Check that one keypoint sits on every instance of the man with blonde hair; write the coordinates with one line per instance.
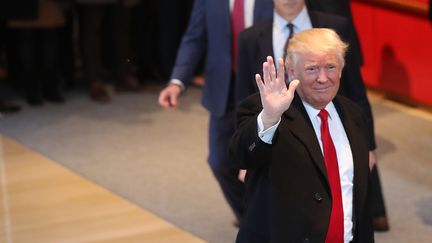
(269, 38)
(305, 148)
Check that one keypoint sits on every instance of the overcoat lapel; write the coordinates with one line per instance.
(301, 126)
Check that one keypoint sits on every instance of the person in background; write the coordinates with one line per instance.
(5, 106)
(36, 51)
(212, 31)
(341, 8)
(104, 26)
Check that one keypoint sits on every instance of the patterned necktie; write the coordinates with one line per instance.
(335, 233)
(290, 35)
(237, 25)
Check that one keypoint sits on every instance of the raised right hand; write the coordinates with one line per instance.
(276, 98)
(168, 97)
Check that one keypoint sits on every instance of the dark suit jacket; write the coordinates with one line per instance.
(255, 44)
(288, 194)
(209, 33)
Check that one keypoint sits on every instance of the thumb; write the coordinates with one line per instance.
(292, 86)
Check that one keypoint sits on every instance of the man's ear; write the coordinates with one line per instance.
(290, 72)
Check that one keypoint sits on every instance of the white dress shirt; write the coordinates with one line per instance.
(343, 152)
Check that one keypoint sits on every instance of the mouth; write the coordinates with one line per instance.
(322, 89)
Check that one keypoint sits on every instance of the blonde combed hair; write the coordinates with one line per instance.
(321, 40)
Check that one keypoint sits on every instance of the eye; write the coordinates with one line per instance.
(311, 69)
(331, 67)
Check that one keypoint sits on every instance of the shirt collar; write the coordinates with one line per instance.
(300, 22)
(313, 113)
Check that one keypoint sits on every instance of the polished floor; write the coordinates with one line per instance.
(41, 201)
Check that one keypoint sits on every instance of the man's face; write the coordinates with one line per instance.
(288, 8)
(319, 76)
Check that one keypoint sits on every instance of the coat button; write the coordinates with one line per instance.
(252, 146)
(318, 197)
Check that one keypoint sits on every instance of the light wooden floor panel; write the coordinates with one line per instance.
(42, 201)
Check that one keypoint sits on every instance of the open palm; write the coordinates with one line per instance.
(276, 97)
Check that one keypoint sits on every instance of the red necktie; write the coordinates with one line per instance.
(237, 24)
(335, 233)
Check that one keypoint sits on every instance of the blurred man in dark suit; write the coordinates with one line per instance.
(213, 30)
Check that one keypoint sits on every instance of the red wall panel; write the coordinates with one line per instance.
(397, 49)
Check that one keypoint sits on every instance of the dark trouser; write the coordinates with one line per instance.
(105, 40)
(36, 60)
(377, 199)
(225, 170)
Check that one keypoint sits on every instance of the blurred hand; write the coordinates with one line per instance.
(242, 175)
(169, 96)
(276, 98)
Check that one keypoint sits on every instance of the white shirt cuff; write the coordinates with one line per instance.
(177, 82)
(266, 135)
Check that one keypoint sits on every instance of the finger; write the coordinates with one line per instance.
(281, 70)
(173, 100)
(292, 87)
(272, 68)
(163, 100)
(266, 73)
(259, 82)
